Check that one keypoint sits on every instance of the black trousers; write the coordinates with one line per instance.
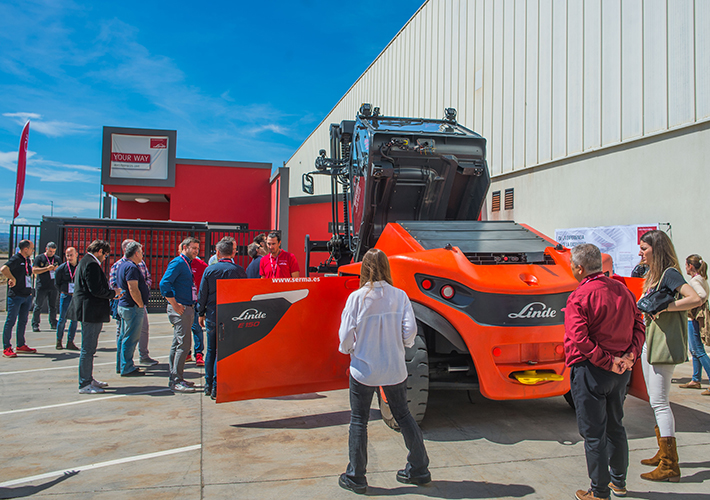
(42, 294)
(599, 402)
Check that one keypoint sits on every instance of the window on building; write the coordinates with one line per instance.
(508, 199)
(495, 202)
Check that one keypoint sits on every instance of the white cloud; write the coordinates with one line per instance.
(48, 128)
(70, 173)
(8, 160)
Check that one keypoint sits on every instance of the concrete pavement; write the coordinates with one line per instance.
(140, 439)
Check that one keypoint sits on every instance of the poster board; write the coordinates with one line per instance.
(621, 242)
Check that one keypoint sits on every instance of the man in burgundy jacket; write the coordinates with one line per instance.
(604, 333)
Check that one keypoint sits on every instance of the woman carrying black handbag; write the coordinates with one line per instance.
(666, 345)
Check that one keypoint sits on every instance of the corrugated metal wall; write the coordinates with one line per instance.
(542, 80)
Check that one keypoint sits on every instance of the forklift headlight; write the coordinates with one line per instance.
(447, 291)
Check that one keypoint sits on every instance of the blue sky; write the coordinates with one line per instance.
(240, 81)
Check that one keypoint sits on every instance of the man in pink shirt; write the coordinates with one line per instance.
(604, 333)
(278, 263)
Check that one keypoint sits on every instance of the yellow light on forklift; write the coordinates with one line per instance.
(532, 377)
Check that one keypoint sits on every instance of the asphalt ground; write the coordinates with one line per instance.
(139, 440)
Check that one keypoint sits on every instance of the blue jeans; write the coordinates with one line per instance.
(697, 349)
(64, 301)
(131, 324)
(18, 310)
(599, 402)
(211, 354)
(197, 335)
(89, 340)
(360, 402)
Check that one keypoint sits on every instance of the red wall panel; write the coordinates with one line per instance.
(313, 220)
(145, 211)
(205, 193)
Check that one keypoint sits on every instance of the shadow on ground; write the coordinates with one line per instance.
(458, 490)
(26, 491)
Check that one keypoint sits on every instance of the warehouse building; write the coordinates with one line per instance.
(597, 113)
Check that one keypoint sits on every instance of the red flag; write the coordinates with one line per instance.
(21, 167)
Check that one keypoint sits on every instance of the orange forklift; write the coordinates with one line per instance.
(488, 296)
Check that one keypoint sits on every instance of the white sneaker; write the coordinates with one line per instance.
(99, 384)
(187, 383)
(90, 389)
(181, 387)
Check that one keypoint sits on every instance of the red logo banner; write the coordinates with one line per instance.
(159, 143)
(130, 157)
(21, 168)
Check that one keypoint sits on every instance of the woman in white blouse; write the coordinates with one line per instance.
(376, 325)
(697, 269)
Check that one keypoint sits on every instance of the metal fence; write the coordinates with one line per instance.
(19, 232)
(160, 240)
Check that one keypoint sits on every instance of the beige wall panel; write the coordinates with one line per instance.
(440, 29)
(531, 79)
(450, 72)
(507, 123)
(681, 63)
(655, 66)
(631, 69)
(559, 79)
(544, 101)
(479, 56)
(496, 89)
(611, 71)
(486, 129)
(702, 59)
(519, 118)
(465, 46)
(592, 74)
(575, 77)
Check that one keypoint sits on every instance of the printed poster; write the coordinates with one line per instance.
(621, 242)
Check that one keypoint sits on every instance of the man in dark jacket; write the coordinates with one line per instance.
(18, 271)
(90, 305)
(225, 268)
(64, 281)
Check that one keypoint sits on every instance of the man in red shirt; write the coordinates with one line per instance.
(279, 263)
(604, 333)
(198, 267)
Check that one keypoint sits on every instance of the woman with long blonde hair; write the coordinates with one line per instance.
(697, 269)
(658, 253)
(376, 325)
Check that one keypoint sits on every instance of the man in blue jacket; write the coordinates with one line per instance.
(224, 268)
(178, 287)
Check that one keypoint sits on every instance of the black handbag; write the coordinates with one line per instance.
(658, 299)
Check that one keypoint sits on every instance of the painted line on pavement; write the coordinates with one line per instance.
(92, 400)
(102, 342)
(73, 367)
(99, 465)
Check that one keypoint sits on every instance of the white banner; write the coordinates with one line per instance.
(621, 242)
(139, 157)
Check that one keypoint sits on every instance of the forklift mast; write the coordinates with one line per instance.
(385, 169)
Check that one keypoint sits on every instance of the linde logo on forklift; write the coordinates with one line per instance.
(250, 314)
(535, 310)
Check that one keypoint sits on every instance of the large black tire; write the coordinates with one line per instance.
(417, 359)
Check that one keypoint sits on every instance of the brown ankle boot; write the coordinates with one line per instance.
(668, 469)
(653, 462)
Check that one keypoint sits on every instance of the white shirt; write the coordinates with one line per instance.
(375, 327)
